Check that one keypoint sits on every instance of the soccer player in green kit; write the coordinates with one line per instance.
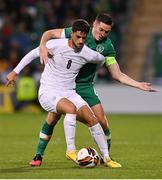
(97, 40)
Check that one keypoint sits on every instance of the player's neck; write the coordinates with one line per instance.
(73, 46)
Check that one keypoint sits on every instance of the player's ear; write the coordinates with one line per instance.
(72, 34)
(94, 23)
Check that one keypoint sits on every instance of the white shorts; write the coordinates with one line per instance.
(49, 99)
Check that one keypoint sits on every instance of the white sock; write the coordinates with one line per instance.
(69, 129)
(99, 137)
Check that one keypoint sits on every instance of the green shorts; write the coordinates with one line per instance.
(88, 93)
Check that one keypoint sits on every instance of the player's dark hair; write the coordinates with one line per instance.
(81, 25)
(105, 18)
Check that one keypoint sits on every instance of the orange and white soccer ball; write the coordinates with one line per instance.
(87, 157)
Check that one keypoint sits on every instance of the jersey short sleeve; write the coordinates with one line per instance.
(109, 53)
(93, 56)
(109, 49)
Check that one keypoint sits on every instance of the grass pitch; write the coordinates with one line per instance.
(136, 144)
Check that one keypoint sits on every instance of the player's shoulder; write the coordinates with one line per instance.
(86, 49)
(90, 53)
(56, 42)
(67, 32)
(107, 41)
(68, 28)
(106, 47)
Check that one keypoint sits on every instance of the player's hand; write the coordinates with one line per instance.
(44, 54)
(147, 87)
(43, 51)
(11, 78)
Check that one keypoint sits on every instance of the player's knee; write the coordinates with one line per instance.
(52, 119)
(92, 120)
(66, 107)
(71, 109)
(103, 122)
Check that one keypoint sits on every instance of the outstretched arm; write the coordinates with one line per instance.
(47, 35)
(11, 77)
(116, 74)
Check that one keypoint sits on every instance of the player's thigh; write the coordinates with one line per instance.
(65, 106)
(77, 100)
(84, 112)
(87, 116)
(100, 115)
(56, 102)
(88, 93)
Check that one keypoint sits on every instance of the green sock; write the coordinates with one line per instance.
(107, 133)
(45, 135)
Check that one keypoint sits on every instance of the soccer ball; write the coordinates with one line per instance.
(87, 157)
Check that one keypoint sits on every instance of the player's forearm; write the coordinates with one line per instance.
(33, 54)
(116, 74)
(50, 34)
(47, 35)
(124, 79)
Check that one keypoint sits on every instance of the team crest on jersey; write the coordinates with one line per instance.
(99, 48)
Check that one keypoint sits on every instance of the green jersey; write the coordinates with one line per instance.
(105, 47)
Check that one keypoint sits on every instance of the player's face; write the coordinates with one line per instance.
(100, 30)
(78, 39)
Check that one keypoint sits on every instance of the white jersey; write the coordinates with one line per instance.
(61, 70)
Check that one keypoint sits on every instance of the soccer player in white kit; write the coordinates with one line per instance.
(57, 85)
